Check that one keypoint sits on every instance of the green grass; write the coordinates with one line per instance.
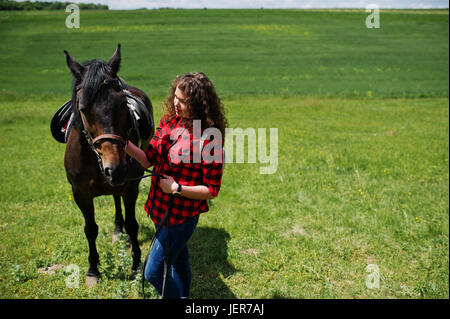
(282, 52)
(363, 170)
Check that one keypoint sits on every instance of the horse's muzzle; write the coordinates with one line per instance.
(115, 175)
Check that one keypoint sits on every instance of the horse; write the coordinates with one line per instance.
(95, 160)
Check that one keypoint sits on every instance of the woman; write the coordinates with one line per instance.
(192, 97)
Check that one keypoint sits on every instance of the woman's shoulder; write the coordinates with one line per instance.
(169, 125)
(165, 121)
(169, 119)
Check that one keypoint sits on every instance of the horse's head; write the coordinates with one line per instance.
(101, 107)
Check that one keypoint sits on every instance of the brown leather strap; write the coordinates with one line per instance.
(109, 136)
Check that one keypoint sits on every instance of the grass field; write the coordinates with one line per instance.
(363, 170)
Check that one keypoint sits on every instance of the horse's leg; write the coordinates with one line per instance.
(118, 221)
(131, 225)
(86, 205)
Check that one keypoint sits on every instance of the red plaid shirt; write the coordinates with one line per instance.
(159, 153)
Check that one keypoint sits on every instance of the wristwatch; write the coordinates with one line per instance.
(178, 191)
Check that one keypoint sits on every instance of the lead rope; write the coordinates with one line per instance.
(164, 221)
(167, 247)
(151, 173)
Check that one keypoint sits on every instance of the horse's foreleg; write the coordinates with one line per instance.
(86, 205)
(131, 225)
(118, 221)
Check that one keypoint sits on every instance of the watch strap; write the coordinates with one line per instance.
(178, 191)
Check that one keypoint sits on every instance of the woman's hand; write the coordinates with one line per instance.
(137, 154)
(168, 184)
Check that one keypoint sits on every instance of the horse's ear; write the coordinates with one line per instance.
(114, 62)
(75, 67)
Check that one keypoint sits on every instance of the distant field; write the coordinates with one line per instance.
(363, 172)
(281, 52)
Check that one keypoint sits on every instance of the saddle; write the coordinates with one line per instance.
(142, 122)
(59, 125)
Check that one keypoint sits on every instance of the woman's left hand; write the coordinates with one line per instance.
(168, 184)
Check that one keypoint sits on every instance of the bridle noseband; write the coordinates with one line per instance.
(110, 137)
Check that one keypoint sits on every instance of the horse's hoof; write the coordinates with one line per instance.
(91, 280)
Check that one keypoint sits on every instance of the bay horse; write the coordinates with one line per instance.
(95, 159)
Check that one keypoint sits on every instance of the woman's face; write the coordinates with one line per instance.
(179, 101)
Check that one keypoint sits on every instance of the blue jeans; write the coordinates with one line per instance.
(178, 281)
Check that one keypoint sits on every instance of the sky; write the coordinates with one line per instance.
(301, 4)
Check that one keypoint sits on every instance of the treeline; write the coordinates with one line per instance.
(41, 5)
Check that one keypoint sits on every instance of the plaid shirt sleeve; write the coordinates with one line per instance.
(152, 154)
(212, 170)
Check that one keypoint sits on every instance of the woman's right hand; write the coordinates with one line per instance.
(138, 154)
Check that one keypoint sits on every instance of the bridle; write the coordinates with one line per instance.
(92, 142)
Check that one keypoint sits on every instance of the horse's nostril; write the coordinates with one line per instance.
(115, 175)
(108, 171)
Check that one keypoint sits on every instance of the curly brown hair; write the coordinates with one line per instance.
(203, 102)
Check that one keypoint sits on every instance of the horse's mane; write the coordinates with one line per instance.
(97, 72)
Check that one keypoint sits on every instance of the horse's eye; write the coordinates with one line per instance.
(83, 108)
